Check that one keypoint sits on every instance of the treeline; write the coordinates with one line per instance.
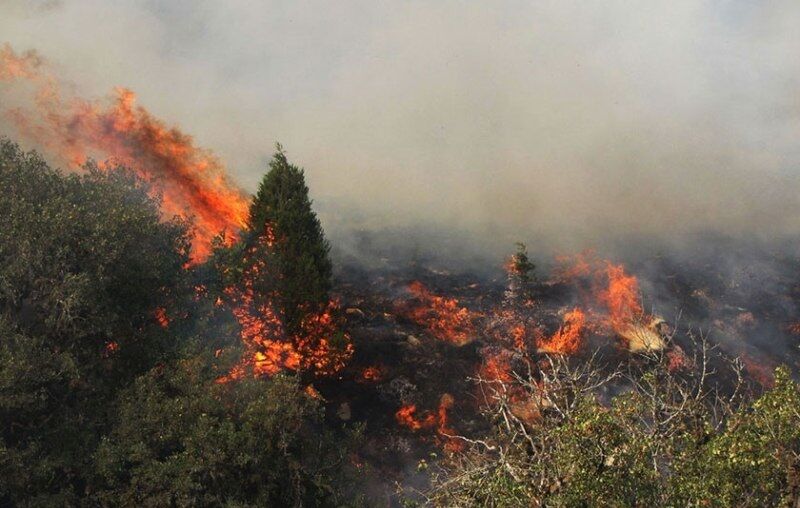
(112, 349)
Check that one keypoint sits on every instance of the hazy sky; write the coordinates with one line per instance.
(564, 120)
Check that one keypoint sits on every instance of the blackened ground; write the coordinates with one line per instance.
(745, 303)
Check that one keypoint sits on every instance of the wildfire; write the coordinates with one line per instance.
(761, 372)
(621, 297)
(191, 180)
(406, 417)
(444, 318)
(576, 266)
(617, 295)
(269, 349)
(567, 339)
(13, 66)
(496, 364)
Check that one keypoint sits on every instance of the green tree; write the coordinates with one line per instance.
(182, 439)
(85, 264)
(281, 210)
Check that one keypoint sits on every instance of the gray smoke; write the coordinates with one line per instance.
(564, 123)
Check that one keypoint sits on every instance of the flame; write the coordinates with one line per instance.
(621, 297)
(405, 417)
(575, 266)
(567, 339)
(762, 373)
(13, 66)
(451, 444)
(269, 349)
(443, 317)
(613, 301)
(496, 365)
(192, 180)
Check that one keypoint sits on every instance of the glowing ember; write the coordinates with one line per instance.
(111, 347)
(443, 317)
(192, 181)
(312, 392)
(373, 374)
(161, 317)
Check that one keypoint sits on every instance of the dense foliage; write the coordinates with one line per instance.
(109, 361)
(667, 439)
(282, 209)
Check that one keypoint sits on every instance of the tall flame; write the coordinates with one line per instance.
(621, 297)
(192, 180)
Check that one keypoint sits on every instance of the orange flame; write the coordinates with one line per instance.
(13, 66)
(269, 348)
(405, 417)
(443, 317)
(571, 267)
(496, 365)
(760, 372)
(567, 339)
(192, 181)
(621, 297)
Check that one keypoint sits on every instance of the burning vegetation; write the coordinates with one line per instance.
(191, 181)
(234, 361)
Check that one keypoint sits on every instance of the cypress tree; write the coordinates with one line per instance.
(282, 209)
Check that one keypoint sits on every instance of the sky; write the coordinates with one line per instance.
(561, 123)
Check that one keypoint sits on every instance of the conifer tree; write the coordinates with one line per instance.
(520, 270)
(281, 211)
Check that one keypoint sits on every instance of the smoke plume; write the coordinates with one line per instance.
(564, 124)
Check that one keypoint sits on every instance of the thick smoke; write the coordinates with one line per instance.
(564, 124)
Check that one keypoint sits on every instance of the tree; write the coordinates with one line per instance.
(520, 277)
(85, 265)
(182, 439)
(281, 211)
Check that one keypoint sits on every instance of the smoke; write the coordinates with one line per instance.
(190, 181)
(564, 124)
